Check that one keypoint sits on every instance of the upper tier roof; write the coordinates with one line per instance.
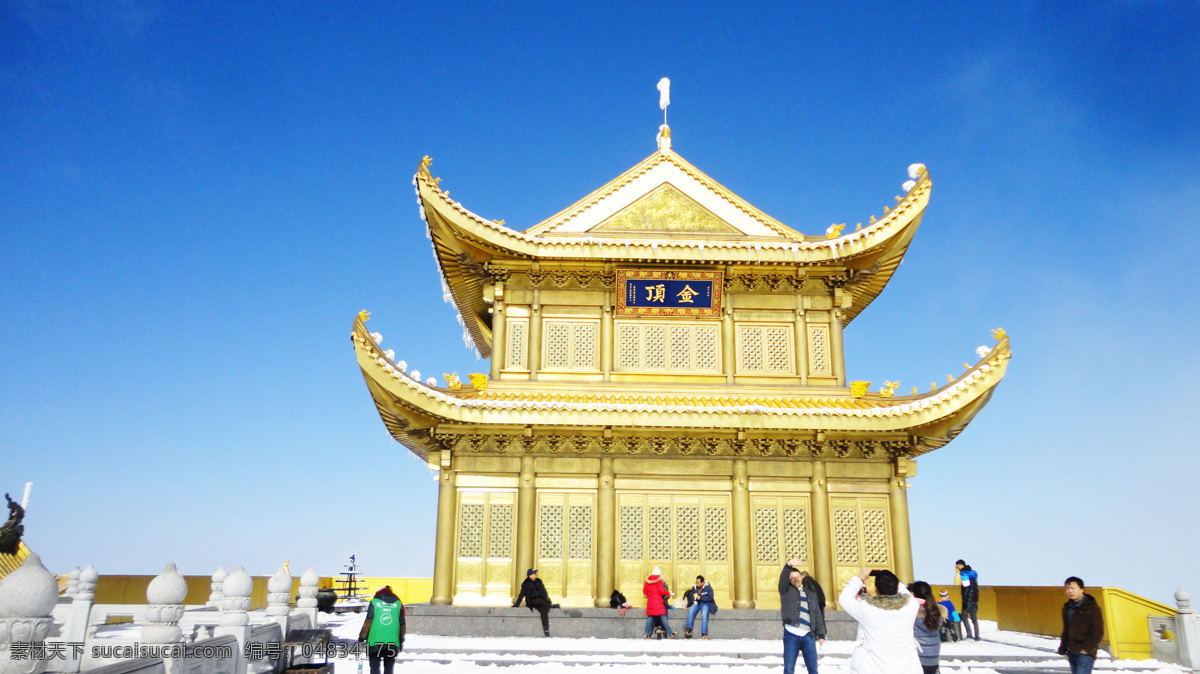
(661, 211)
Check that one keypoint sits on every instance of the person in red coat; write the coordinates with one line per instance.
(655, 589)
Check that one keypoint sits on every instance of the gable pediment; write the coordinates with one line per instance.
(664, 195)
(665, 210)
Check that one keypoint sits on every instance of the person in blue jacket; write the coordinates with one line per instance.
(968, 581)
(704, 604)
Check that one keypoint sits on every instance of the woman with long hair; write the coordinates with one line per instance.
(927, 628)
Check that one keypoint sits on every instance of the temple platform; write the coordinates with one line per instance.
(601, 623)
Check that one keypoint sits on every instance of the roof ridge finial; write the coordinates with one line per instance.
(664, 131)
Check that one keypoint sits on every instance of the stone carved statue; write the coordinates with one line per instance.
(10, 533)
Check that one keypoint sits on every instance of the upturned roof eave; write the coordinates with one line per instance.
(396, 394)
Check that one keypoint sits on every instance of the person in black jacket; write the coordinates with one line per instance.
(533, 591)
(803, 617)
(1083, 627)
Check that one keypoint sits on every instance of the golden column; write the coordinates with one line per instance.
(901, 537)
(801, 341)
(606, 559)
(499, 325)
(728, 346)
(535, 335)
(606, 338)
(839, 347)
(743, 571)
(443, 555)
(822, 543)
(526, 521)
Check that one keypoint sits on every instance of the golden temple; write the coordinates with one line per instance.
(667, 388)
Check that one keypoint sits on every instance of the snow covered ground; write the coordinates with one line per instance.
(998, 653)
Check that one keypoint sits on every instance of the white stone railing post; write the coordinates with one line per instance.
(218, 580)
(234, 620)
(27, 596)
(1187, 631)
(279, 594)
(307, 603)
(165, 596)
(76, 629)
(73, 583)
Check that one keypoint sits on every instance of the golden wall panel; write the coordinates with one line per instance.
(570, 345)
(861, 529)
(779, 468)
(683, 534)
(566, 465)
(799, 486)
(517, 338)
(677, 347)
(566, 545)
(860, 469)
(486, 481)
(765, 349)
(555, 482)
(484, 547)
(486, 464)
(863, 487)
(564, 301)
(820, 353)
(715, 467)
(781, 531)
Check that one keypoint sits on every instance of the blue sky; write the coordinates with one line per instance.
(196, 199)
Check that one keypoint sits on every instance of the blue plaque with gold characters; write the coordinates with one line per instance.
(669, 292)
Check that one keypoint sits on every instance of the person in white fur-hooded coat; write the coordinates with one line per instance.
(885, 625)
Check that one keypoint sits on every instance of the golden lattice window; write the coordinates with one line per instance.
(818, 337)
(875, 544)
(795, 533)
(570, 345)
(631, 532)
(706, 347)
(779, 349)
(470, 530)
(752, 349)
(681, 347)
(845, 535)
(716, 534)
(655, 354)
(765, 349)
(629, 347)
(583, 347)
(579, 529)
(766, 535)
(550, 531)
(660, 532)
(517, 344)
(688, 529)
(500, 521)
(675, 348)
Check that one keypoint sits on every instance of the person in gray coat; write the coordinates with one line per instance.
(927, 628)
(803, 614)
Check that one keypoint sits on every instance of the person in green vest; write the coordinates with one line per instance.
(383, 630)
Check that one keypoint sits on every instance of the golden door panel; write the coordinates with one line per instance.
(861, 528)
(781, 531)
(685, 535)
(566, 546)
(484, 548)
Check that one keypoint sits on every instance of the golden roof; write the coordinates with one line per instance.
(714, 226)
(408, 405)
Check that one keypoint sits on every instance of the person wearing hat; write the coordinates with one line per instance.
(383, 630)
(885, 624)
(952, 627)
(533, 591)
(655, 589)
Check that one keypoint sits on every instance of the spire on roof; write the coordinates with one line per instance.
(664, 131)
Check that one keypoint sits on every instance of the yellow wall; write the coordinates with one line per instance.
(132, 589)
(1038, 610)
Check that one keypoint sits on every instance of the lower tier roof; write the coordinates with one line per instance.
(428, 418)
